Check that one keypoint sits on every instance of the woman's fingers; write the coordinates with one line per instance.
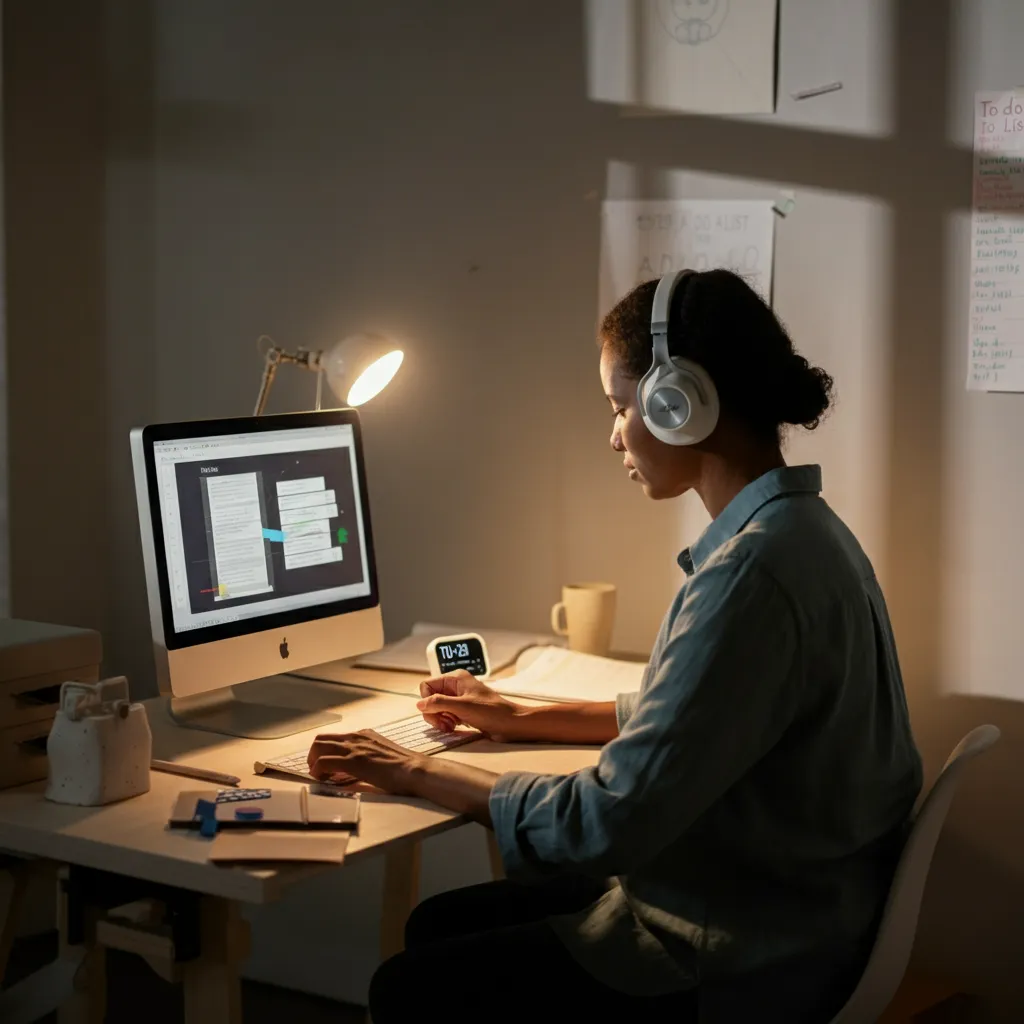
(324, 745)
(441, 722)
(364, 756)
(440, 684)
(370, 743)
(331, 769)
(438, 703)
(427, 689)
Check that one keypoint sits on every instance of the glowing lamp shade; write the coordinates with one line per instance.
(375, 378)
(359, 367)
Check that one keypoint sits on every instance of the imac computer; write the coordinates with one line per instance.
(259, 560)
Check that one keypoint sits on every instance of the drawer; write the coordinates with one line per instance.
(36, 698)
(23, 753)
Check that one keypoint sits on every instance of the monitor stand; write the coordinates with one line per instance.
(240, 711)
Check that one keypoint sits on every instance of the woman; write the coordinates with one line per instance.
(728, 857)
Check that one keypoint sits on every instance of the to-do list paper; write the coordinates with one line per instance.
(996, 318)
(646, 238)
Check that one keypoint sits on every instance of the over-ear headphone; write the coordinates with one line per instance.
(677, 398)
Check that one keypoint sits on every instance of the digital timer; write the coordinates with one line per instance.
(466, 651)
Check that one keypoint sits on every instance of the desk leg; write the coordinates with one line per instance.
(213, 988)
(13, 887)
(401, 892)
(88, 1001)
(494, 856)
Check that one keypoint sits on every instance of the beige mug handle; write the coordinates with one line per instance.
(556, 619)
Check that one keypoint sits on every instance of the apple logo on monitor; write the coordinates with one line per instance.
(284, 648)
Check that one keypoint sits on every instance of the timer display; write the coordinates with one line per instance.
(467, 654)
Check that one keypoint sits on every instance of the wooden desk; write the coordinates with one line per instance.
(131, 838)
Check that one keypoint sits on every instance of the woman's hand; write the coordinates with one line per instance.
(460, 698)
(366, 757)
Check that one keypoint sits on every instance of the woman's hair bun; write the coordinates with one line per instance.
(804, 392)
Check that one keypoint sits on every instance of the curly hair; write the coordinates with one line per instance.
(718, 321)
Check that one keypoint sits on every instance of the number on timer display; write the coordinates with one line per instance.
(450, 651)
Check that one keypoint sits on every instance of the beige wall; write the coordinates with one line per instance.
(199, 173)
(55, 269)
(5, 550)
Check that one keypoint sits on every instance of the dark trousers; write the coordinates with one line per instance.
(485, 953)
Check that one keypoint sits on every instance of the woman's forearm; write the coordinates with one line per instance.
(459, 787)
(467, 790)
(591, 723)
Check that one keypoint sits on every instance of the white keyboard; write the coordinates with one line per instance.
(413, 733)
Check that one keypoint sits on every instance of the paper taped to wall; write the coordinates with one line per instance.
(643, 239)
(709, 57)
(995, 341)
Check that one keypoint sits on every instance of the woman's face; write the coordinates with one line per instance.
(663, 470)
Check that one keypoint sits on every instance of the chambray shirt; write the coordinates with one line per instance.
(749, 814)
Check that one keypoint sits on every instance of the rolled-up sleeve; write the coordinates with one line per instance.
(508, 799)
(725, 689)
(625, 705)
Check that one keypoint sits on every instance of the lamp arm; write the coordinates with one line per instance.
(275, 357)
(269, 373)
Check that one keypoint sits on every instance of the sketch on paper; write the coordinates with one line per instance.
(705, 56)
(643, 239)
(692, 22)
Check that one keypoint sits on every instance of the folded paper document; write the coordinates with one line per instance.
(557, 674)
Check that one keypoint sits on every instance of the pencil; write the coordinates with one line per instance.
(194, 773)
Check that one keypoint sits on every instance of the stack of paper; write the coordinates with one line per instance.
(554, 673)
(410, 653)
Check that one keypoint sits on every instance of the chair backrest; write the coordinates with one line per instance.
(895, 940)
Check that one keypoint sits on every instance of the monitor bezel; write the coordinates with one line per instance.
(174, 640)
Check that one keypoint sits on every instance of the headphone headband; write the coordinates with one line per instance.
(660, 312)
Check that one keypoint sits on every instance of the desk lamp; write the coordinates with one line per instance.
(356, 368)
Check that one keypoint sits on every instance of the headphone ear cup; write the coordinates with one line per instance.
(678, 403)
(668, 404)
(677, 399)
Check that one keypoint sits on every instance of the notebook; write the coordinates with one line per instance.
(257, 847)
(282, 809)
(558, 674)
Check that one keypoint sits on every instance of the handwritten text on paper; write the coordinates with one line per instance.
(996, 317)
(644, 239)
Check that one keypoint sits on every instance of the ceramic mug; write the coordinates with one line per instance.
(586, 615)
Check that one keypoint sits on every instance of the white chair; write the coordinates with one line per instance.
(891, 952)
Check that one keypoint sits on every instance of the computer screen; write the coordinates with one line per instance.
(260, 524)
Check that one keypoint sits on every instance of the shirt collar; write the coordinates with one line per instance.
(739, 511)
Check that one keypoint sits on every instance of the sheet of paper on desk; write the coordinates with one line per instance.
(562, 675)
(410, 653)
